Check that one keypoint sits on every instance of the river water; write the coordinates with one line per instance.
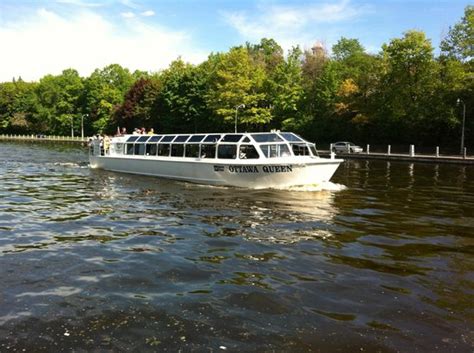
(379, 260)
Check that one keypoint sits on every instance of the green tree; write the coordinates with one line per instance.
(17, 103)
(286, 91)
(408, 87)
(236, 81)
(459, 43)
(183, 99)
(105, 90)
(59, 102)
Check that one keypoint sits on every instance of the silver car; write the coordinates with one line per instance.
(345, 147)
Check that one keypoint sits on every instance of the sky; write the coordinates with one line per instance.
(39, 37)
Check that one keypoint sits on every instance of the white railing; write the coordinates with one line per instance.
(43, 138)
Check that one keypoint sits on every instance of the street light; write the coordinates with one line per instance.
(236, 110)
(463, 122)
(82, 124)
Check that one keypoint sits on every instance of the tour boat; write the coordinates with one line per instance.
(250, 160)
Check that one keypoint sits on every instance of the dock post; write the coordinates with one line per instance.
(389, 148)
(412, 150)
(368, 149)
(437, 151)
(464, 153)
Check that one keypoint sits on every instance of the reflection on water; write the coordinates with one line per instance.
(379, 260)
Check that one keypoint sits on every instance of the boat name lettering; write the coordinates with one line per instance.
(243, 169)
(277, 168)
(265, 169)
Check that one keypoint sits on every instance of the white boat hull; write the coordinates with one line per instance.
(256, 175)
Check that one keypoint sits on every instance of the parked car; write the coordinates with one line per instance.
(345, 147)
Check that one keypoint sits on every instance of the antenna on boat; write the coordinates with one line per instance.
(236, 110)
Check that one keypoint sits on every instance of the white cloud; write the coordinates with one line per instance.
(80, 3)
(148, 13)
(47, 43)
(292, 25)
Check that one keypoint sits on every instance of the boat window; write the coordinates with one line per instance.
(270, 137)
(313, 150)
(208, 151)
(212, 138)
(155, 138)
(275, 150)
(132, 138)
(168, 138)
(289, 136)
(177, 150)
(196, 138)
(246, 139)
(231, 138)
(151, 149)
(129, 148)
(139, 149)
(227, 151)
(192, 150)
(248, 152)
(300, 149)
(143, 138)
(163, 149)
(181, 138)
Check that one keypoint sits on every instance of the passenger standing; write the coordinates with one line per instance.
(106, 144)
(151, 132)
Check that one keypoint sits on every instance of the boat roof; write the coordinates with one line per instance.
(243, 137)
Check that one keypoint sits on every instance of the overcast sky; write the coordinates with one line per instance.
(38, 37)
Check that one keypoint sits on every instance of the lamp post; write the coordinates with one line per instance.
(236, 110)
(72, 126)
(463, 122)
(82, 124)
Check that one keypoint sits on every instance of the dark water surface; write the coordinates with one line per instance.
(100, 261)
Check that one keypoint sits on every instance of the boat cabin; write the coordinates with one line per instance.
(220, 146)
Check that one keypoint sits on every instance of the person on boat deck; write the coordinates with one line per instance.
(151, 131)
(106, 144)
(136, 131)
(124, 131)
(143, 131)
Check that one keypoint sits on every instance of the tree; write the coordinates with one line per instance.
(183, 99)
(59, 102)
(105, 90)
(346, 48)
(139, 108)
(408, 86)
(17, 102)
(236, 81)
(459, 43)
(286, 91)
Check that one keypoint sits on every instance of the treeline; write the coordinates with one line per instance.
(404, 94)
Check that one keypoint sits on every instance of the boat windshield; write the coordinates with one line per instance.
(275, 150)
(267, 137)
(300, 149)
(291, 137)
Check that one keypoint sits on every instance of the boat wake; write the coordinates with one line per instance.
(325, 186)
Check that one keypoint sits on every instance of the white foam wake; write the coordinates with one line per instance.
(324, 186)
